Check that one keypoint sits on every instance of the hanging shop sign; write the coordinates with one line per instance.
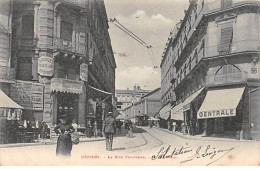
(45, 66)
(66, 85)
(216, 113)
(27, 94)
(91, 110)
(84, 72)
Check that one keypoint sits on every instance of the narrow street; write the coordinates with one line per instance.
(144, 148)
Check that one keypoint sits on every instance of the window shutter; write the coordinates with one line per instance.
(225, 37)
(28, 27)
(66, 31)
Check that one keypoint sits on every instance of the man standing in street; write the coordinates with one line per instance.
(109, 128)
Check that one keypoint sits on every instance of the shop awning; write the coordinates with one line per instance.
(186, 103)
(177, 112)
(165, 112)
(220, 103)
(6, 102)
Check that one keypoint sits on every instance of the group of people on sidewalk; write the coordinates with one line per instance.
(64, 130)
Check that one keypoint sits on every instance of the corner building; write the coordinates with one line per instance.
(215, 55)
(64, 46)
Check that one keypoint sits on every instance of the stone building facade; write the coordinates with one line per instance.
(61, 58)
(216, 60)
(126, 98)
(147, 106)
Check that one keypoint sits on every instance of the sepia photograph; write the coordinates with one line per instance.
(129, 83)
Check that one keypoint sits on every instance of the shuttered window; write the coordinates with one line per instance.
(226, 35)
(71, 72)
(24, 68)
(61, 70)
(66, 31)
(28, 27)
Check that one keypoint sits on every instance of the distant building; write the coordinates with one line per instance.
(146, 107)
(215, 70)
(126, 98)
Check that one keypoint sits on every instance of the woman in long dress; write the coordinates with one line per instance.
(64, 144)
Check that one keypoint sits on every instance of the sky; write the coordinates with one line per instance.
(150, 20)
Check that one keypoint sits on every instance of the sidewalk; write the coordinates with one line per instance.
(199, 137)
(49, 142)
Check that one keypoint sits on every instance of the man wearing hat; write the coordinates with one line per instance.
(109, 128)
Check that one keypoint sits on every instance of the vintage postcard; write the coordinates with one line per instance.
(129, 83)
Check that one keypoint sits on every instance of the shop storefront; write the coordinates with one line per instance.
(164, 115)
(10, 119)
(222, 112)
(178, 117)
(66, 99)
(184, 114)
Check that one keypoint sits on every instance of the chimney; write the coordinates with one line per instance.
(138, 87)
(134, 87)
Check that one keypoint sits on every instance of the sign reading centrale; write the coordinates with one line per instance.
(216, 113)
(45, 66)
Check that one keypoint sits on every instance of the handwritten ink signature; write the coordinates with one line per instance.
(164, 153)
(211, 152)
(208, 152)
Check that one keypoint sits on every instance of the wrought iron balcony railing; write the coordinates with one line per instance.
(218, 5)
(235, 47)
(71, 46)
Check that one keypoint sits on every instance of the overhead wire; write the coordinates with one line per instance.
(135, 37)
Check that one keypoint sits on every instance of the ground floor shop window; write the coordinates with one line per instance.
(67, 104)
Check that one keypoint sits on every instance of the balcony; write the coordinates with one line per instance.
(226, 79)
(66, 85)
(69, 46)
(236, 47)
(27, 43)
(216, 5)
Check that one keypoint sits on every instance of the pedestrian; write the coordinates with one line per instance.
(109, 128)
(43, 131)
(89, 129)
(95, 128)
(75, 125)
(120, 126)
(64, 143)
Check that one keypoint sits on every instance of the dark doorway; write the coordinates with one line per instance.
(67, 105)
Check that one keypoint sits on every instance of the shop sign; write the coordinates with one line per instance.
(91, 110)
(45, 66)
(216, 113)
(66, 85)
(84, 72)
(28, 95)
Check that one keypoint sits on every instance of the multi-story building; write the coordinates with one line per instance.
(216, 61)
(126, 98)
(167, 72)
(62, 59)
(148, 105)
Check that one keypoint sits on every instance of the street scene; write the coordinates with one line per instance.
(123, 82)
(144, 147)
